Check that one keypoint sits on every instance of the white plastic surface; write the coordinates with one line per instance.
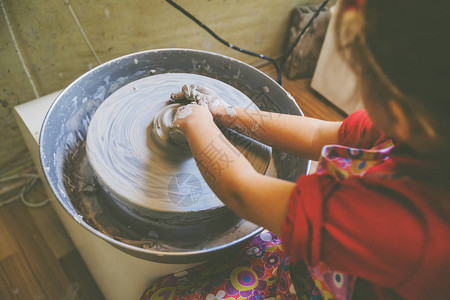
(333, 78)
(119, 276)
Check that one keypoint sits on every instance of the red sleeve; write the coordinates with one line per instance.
(352, 228)
(358, 131)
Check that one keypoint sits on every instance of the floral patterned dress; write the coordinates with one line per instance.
(260, 270)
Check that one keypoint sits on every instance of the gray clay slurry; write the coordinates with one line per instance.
(129, 148)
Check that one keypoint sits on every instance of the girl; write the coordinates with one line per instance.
(378, 206)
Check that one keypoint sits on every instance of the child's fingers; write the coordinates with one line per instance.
(180, 116)
(188, 113)
(190, 92)
(207, 91)
(177, 97)
(203, 100)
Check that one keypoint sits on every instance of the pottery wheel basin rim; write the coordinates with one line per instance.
(59, 136)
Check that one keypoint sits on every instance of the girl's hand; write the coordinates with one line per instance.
(189, 117)
(205, 97)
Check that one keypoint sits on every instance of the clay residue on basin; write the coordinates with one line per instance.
(62, 146)
(147, 179)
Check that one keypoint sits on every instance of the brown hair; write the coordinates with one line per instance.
(400, 49)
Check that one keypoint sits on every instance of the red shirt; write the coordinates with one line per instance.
(392, 230)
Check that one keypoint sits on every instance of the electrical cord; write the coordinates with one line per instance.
(217, 37)
(18, 51)
(25, 188)
(278, 67)
(83, 33)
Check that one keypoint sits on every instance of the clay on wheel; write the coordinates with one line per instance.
(144, 164)
(161, 129)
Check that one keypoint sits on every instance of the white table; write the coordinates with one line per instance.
(119, 276)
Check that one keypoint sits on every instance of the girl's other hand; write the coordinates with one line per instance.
(205, 97)
(189, 117)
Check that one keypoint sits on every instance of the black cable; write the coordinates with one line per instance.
(190, 16)
(278, 68)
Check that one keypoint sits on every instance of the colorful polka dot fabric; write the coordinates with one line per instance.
(260, 270)
(342, 162)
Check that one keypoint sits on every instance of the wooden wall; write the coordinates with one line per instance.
(55, 52)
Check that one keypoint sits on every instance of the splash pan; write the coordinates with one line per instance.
(65, 164)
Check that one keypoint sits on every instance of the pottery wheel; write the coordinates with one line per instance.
(143, 171)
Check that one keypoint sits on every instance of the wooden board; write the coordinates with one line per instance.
(29, 268)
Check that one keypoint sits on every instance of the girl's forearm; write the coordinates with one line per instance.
(220, 163)
(253, 196)
(300, 136)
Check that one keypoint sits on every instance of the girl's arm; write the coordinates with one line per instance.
(260, 199)
(296, 135)
(300, 136)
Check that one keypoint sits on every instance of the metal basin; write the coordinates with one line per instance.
(63, 157)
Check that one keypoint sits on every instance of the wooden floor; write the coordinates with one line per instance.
(37, 258)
